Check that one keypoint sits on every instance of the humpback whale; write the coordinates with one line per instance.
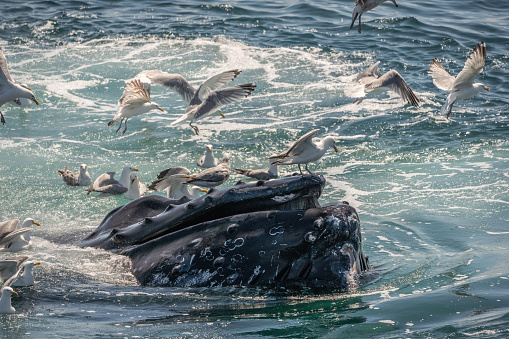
(270, 234)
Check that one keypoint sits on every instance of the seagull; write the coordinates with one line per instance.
(23, 102)
(9, 89)
(136, 188)
(170, 180)
(13, 238)
(211, 177)
(5, 300)
(134, 101)
(106, 183)
(204, 101)
(208, 160)
(17, 272)
(81, 178)
(461, 86)
(392, 80)
(260, 174)
(362, 6)
(304, 151)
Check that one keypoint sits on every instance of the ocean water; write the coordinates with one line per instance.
(432, 193)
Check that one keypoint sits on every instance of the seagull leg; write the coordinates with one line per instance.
(359, 30)
(450, 110)
(307, 169)
(2, 119)
(118, 129)
(300, 170)
(195, 128)
(355, 101)
(222, 115)
(358, 102)
(125, 124)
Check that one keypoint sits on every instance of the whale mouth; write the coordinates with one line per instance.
(149, 222)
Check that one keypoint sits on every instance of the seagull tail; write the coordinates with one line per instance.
(113, 121)
(446, 108)
(182, 118)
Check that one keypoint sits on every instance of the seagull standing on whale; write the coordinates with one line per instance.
(304, 151)
(462, 86)
(211, 177)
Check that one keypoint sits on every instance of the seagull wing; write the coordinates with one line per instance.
(395, 82)
(215, 82)
(4, 73)
(213, 175)
(135, 94)
(173, 82)
(168, 177)
(7, 227)
(441, 78)
(473, 66)
(14, 234)
(9, 267)
(217, 99)
(298, 146)
(369, 74)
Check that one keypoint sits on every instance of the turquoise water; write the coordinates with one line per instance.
(432, 194)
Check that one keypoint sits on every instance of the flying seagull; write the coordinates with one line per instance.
(9, 89)
(392, 80)
(207, 99)
(461, 86)
(134, 101)
(362, 6)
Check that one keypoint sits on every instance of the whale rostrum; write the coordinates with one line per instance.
(270, 234)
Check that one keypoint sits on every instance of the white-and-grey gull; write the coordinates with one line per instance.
(15, 236)
(81, 178)
(374, 82)
(134, 101)
(171, 180)
(362, 6)
(260, 174)
(462, 86)
(17, 272)
(304, 151)
(9, 89)
(204, 101)
(106, 183)
(211, 177)
(5, 300)
(207, 160)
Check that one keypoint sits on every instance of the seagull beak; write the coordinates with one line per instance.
(14, 292)
(335, 148)
(204, 191)
(132, 180)
(36, 223)
(28, 88)
(35, 100)
(37, 263)
(210, 149)
(162, 110)
(135, 169)
(222, 115)
(487, 88)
